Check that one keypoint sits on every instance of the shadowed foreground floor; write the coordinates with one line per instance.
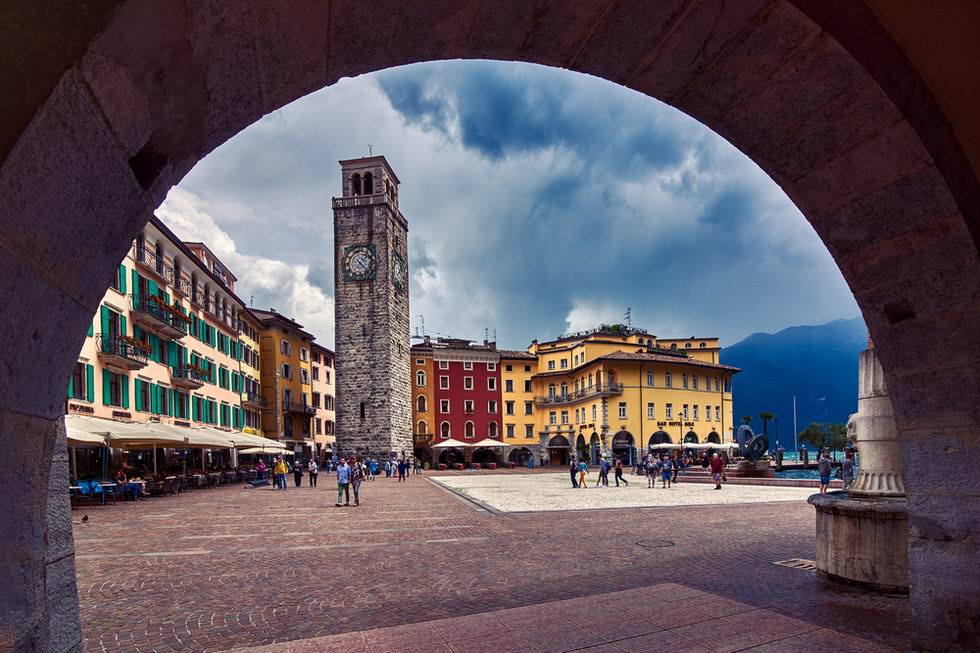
(229, 568)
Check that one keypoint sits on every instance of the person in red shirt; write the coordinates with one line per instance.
(717, 469)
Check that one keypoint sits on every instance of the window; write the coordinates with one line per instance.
(509, 407)
(316, 357)
(491, 367)
(316, 373)
(421, 405)
(564, 390)
(420, 379)
(77, 388)
(694, 381)
(564, 363)
(593, 412)
(622, 410)
(717, 385)
(316, 400)
(444, 382)
(468, 430)
(684, 380)
(319, 426)
(695, 414)
(687, 345)
(467, 383)
(444, 406)
(527, 386)
(285, 347)
(528, 407)
(684, 413)
(529, 430)
(669, 411)
(668, 380)
(304, 355)
(142, 396)
(492, 407)
(527, 368)
(444, 430)
(304, 376)
(551, 365)
(287, 371)
(552, 417)
(590, 380)
(443, 365)
(492, 430)
(491, 383)
(420, 427)
(467, 365)
(702, 345)
(564, 417)
(650, 379)
(707, 413)
(509, 368)
(510, 431)
(509, 385)
(650, 412)
(717, 413)
(419, 361)
(728, 384)
(363, 412)
(468, 406)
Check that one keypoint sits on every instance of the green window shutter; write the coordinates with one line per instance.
(139, 395)
(172, 403)
(194, 408)
(90, 382)
(122, 326)
(104, 316)
(152, 287)
(155, 347)
(122, 279)
(166, 297)
(71, 384)
(155, 398)
(136, 286)
(91, 330)
(124, 384)
(106, 394)
(185, 356)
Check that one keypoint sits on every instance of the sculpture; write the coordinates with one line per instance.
(750, 445)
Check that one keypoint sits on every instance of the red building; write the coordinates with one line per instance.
(466, 393)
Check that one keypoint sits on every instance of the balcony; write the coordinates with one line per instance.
(153, 313)
(190, 377)
(298, 408)
(122, 352)
(596, 391)
(156, 265)
(254, 400)
(422, 439)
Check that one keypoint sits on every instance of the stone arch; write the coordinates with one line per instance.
(520, 455)
(559, 441)
(690, 437)
(713, 437)
(660, 437)
(819, 99)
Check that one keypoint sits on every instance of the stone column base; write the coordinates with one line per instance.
(863, 541)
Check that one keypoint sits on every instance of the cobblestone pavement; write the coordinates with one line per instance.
(547, 492)
(224, 568)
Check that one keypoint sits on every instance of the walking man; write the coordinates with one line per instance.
(619, 473)
(847, 470)
(604, 472)
(280, 472)
(357, 475)
(314, 471)
(651, 470)
(573, 470)
(402, 469)
(583, 470)
(343, 482)
(824, 468)
(717, 470)
(667, 470)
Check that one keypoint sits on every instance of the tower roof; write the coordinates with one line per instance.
(368, 162)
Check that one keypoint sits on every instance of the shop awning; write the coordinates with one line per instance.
(242, 440)
(451, 444)
(489, 444)
(274, 452)
(132, 435)
(79, 438)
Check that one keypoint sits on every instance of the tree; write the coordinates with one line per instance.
(824, 436)
(746, 419)
(766, 417)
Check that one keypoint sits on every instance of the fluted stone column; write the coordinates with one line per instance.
(872, 430)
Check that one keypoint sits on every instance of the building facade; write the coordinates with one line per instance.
(165, 343)
(612, 391)
(371, 284)
(286, 380)
(323, 400)
(423, 400)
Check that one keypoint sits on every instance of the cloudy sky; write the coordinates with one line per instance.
(539, 201)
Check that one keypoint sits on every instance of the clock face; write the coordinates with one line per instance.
(397, 272)
(360, 262)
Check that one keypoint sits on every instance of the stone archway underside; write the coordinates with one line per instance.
(132, 95)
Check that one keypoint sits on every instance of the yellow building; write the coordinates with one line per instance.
(286, 380)
(250, 368)
(165, 345)
(617, 390)
(521, 430)
(423, 400)
(323, 400)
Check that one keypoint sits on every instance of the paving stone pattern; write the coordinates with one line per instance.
(230, 568)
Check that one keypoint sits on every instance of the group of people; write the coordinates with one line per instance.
(579, 471)
(825, 467)
(664, 467)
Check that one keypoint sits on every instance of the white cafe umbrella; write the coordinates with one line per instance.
(451, 444)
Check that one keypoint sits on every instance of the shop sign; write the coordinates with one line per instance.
(81, 408)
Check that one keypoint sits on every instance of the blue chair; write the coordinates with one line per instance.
(97, 492)
(84, 492)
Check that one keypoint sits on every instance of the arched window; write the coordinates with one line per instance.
(355, 185)
(492, 429)
(687, 346)
(368, 184)
(468, 430)
(420, 379)
(420, 404)
(702, 345)
(590, 380)
(444, 429)
(420, 428)
(564, 389)
(673, 346)
(551, 391)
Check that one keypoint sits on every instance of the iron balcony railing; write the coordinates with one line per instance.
(254, 398)
(114, 345)
(189, 373)
(156, 263)
(152, 305)
(298, 407)
(586, 393)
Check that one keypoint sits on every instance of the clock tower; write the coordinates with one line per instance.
(373, 352)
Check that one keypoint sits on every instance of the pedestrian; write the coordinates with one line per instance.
(402, 469)
(530, 462)
(619, 473)
(373, 468)
(717, 466)
(824, 468)
(651, 470)
(416, 466)
(280, 472)
(298, 473)
(388, 468)
(666, 472)
(675, 466)
(847, 469)
(583, 471)
(573, 471)
(260, 468)
(604, 472)
(343, 482)
(314, 471)
(357, 475)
